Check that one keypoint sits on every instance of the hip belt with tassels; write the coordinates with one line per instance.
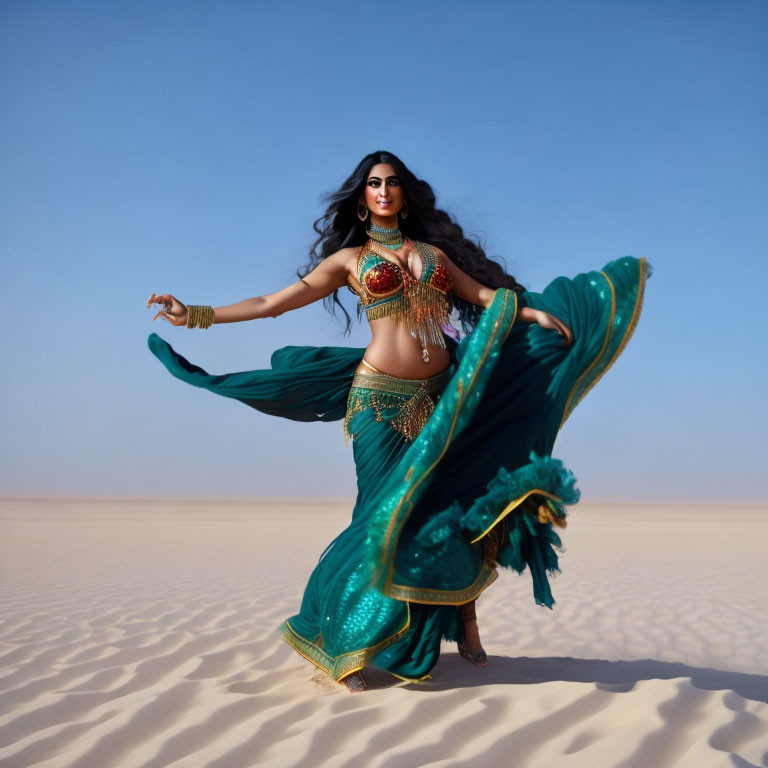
(415, 399)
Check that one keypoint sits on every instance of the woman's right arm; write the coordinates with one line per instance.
(329, 275)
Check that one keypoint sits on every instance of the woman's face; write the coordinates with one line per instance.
(383, 194)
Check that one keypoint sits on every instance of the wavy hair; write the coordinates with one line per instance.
(339, 227)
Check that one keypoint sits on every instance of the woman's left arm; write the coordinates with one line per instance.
(467, 288)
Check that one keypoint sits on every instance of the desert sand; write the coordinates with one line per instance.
(144, 634)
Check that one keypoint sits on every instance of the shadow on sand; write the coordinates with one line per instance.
(616, 676)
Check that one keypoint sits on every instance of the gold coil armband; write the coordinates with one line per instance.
(200, 316)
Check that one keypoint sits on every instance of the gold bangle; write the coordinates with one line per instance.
(200, 316)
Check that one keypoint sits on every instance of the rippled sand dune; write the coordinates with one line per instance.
(144, 634)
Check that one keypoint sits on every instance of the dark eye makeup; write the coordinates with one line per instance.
(375, 181)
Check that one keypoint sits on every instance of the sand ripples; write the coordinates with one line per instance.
(147, 641)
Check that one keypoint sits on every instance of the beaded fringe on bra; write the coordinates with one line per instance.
(423, 308)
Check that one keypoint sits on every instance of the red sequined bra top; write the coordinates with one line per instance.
(389, 290)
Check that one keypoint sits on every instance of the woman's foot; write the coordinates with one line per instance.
(470, 648)
(355, 682)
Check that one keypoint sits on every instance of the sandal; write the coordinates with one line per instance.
(479, 659)
(355, 682)
(467, 613)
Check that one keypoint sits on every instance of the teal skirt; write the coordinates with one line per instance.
(454, 481)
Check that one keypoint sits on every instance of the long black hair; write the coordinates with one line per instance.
(339, 227)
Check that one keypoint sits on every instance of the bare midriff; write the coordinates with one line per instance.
(395, 352)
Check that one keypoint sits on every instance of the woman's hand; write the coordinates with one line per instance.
(173, 310)
(545, 320)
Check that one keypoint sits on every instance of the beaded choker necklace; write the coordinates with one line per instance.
(391, 238)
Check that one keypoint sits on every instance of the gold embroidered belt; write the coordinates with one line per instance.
(414, 398)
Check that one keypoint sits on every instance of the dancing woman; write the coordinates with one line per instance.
(453, 410)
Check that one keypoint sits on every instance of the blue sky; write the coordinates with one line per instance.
(184, 147)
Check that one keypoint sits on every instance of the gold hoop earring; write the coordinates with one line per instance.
(404, 210)
(361, 208)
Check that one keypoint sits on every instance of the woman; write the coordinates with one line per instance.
(453, 410)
